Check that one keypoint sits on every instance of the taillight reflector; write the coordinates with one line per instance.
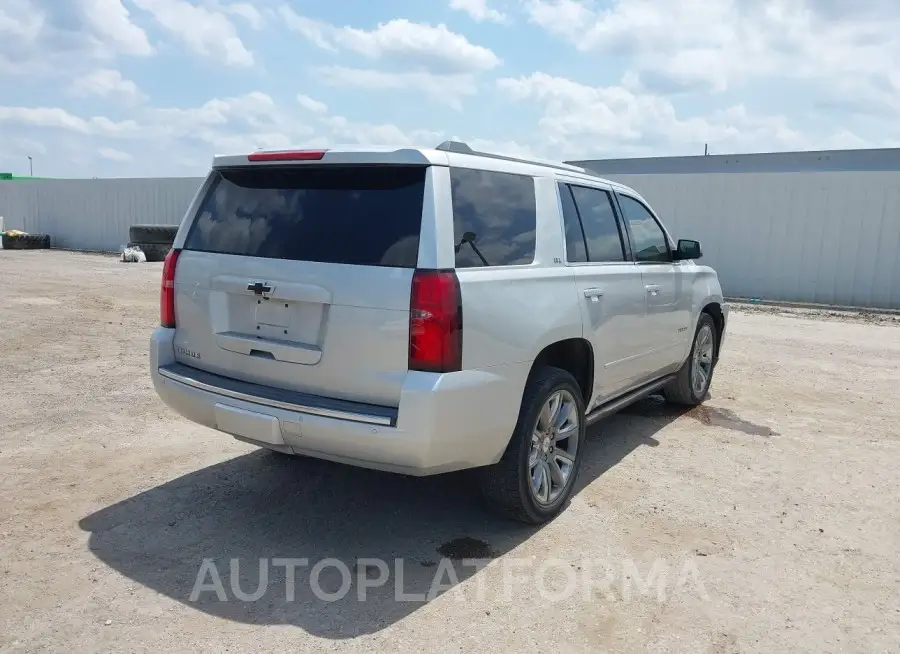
(288, 155)
(167, 292)
(435, 322)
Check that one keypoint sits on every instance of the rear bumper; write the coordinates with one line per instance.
(443, 422)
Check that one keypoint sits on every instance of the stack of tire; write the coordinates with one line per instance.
(15, 240)
(154, 240)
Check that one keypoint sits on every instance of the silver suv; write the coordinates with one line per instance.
(427, 310)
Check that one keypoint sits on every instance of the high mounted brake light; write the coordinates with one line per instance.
(288, 155)
(435, 322)
(167, 292)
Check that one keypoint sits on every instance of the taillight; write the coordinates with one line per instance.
(167, 292)
(287, 155)
(435, 322)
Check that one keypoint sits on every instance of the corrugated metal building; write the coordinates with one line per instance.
(94, 214)
(799, 226)
(818, 227)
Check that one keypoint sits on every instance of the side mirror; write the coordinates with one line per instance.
(688, 249)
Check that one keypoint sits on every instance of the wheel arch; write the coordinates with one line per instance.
(575, 356)
(713, 309)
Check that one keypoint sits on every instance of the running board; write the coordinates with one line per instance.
(619, 403)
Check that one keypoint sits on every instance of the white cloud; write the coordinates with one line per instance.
(221, 125)
(15, 21)
(249, 113)
(206, 32)
(878, 99)
(246, 11)
(111, 22)
(25, 147)
(347, 131)
(414, 45)
(108, 83)
(445, 89)
(784, 74)
(56, 118)
(253, 115)
(316, 32)
(39, 37)
(478, 10)
(707, 45)
(114, 155)
(312, 105)
(582, 121)
(844, 140)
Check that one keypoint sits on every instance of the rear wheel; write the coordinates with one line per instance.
(536, 475)
(692, 381)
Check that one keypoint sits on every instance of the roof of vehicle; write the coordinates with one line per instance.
(398, 155)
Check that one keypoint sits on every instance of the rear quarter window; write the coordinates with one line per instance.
(494, 218)
(358, 215)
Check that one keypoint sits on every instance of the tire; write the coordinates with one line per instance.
(159, 234)
(153, 251)
(507, 485)
(682, 390)
(26, 242)
(37, 241)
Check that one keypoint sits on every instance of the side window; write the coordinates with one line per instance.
(598, 219)
(576, 251)
(494, 218)
(648, 238)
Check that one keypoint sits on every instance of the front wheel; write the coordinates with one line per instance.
(692, 381)
(536, 475)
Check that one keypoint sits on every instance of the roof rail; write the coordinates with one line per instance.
(464, 148)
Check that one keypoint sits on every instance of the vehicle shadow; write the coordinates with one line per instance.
(266, 506)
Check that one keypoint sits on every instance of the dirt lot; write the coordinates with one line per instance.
(771, 514)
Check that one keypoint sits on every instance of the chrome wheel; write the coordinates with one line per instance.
(554, 446)
(701, 366)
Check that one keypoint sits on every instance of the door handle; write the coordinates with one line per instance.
(652, 289)
(593, 293)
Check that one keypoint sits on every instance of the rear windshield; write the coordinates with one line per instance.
(368, 216)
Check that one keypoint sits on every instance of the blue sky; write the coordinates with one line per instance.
(156, 87)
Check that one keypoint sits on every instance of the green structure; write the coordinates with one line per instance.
(9, 177)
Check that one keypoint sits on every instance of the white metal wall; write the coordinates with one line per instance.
(827, 237)
(93, 214)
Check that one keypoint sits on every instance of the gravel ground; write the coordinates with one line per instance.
(766, 520)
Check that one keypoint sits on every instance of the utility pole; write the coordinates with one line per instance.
(705, 150)
(30, 167)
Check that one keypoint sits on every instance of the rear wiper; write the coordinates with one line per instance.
(469, 237)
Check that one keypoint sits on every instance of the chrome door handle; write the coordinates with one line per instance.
(593, 293)
(652, 289)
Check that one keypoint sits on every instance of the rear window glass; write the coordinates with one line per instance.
(338, 214)
(494, 218)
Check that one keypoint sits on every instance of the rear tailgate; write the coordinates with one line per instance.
(298, 277)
